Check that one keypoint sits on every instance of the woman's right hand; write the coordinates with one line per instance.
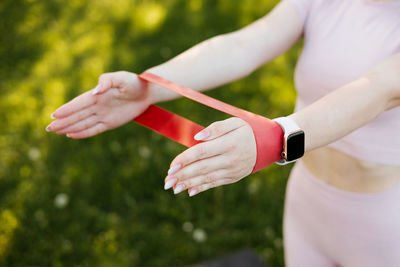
(118, 98)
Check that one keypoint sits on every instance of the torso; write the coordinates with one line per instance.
(350, 174)
(343, 39)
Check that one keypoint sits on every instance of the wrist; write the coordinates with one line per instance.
(153, 96)
(156, 93)
(293, 143)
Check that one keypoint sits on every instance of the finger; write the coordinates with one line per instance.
(110, 80)
(96, 129)
(219, 128)
(80, 102)
(197, 152)
(80, 125)
(207, 178)
(198, 189)
(62, 123)
(195, 169)
(201, 167)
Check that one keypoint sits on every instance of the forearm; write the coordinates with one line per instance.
(342, 111)
(210, 64)
(229, 57)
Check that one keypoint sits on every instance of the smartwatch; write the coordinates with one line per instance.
(293, 140)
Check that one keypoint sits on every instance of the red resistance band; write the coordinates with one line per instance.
(268, 134)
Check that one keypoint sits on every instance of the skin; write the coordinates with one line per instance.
(228, 152)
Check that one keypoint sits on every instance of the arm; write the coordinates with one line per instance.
(228, 153)
(121, 96)
(229, 57)
(351, 106)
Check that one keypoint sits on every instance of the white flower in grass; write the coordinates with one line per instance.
(34, 153)
(199, 235)
(61, 200)
(187, 227)
(144, 152)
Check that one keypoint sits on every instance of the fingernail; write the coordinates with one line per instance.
(201, 135)
(96, 89)
(170, 183)
(52, 116)
(179, 188)
(174, 168)
(48, 128)
(67, 135)
(193, 192)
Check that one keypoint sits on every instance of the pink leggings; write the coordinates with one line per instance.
(324, 226)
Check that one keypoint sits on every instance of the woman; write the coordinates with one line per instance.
(342, 204)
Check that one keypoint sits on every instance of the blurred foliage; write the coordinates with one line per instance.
(100, 201)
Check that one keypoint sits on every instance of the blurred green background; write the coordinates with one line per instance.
(100, 201)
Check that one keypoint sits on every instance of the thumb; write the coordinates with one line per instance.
(105, 83)
(110, 80)
(219, 128)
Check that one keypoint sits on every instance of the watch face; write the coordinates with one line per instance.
(295, 146)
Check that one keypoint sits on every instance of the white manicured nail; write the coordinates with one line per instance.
(201, 135)
(170, 183)
(174, 168)
(96, 89)
(52, 117)
(193, 192)
(179, 188)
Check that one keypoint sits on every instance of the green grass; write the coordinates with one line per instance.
(100, 201)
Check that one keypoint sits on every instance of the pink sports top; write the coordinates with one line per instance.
(342, 40)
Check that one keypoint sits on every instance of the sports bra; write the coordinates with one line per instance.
(342, 40)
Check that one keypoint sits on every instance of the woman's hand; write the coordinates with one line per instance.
(227, 154)
(118, 98)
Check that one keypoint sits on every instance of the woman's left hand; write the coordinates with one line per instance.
(227, 155)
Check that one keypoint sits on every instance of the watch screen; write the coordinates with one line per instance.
(295, 146)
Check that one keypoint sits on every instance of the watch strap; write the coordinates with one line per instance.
(288, 126)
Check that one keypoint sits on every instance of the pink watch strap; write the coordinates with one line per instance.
(267, 133)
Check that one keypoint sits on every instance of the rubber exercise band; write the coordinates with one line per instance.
(267, 133)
